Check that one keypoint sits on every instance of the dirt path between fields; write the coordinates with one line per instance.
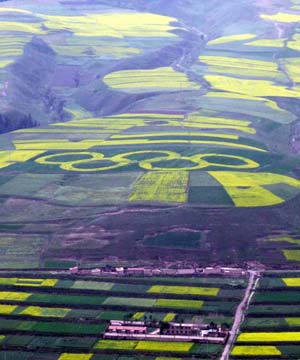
(240, 313)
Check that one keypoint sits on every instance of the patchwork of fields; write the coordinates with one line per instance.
(278, 249)
(133, 133)
(271, 328)
(187, 131)
(176, 144)
(66, 316)
(224, 149)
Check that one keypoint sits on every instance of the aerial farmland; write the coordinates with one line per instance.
(64, 316)
(149, 179)
(271, 326)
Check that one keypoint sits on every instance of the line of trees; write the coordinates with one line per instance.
(15, 120)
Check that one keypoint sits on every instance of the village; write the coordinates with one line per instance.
(167, 331)
(151, 271)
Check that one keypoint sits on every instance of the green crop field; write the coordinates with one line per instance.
(58, 313)
(225, 291)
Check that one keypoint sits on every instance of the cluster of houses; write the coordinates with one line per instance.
(147, 271)
(171, 331)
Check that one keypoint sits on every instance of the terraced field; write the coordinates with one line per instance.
(66, 316)
(160, 79)
(271, 327)
(145, 134)
(246, 189)
(282, 248)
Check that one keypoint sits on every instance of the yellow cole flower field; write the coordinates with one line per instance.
(284, 239)
(294, 44)
(276, 43)
(272, 105)
(248, 87)
(157, 346)
(19, 27)
(163, 78)
(148, 346)
(116, 124)
(241, 66)
(184, 290)
(14, 10)
(165, 186)
(282, 17)
(293, 282)
(87, 144)
(28, 282)
(116, 25)
(67, 356)
(293, 321)
(255, 351)
(169, 317)
(138, 316)
(4, 63)
(176, 303)
(269, 337)
(231, 38)
(292, 255)
(7, 309)
(45, 311)
(246, 189)
(189, 134)
(14, 296)
(11, 157)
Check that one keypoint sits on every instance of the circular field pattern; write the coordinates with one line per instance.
(148, 160)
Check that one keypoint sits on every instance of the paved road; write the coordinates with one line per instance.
(240, 313)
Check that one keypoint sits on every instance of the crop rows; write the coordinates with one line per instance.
(272, 325)
(59, 315)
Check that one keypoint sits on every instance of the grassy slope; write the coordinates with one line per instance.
(234, 111)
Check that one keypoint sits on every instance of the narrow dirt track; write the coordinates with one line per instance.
(240, 313)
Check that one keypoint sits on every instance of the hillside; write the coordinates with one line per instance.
(142, 132)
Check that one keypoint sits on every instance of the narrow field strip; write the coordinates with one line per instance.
(67, 356)
(148, 346)
(291, 255)
(231, 38)
(58, 144)
(176, 303)
(260, 88)
(163, 78)
(28, 282)
(14, 296)
(241, 66)
(292, 282)
(187, 133)
(181, 290)
(269, 337)
(255, 351)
